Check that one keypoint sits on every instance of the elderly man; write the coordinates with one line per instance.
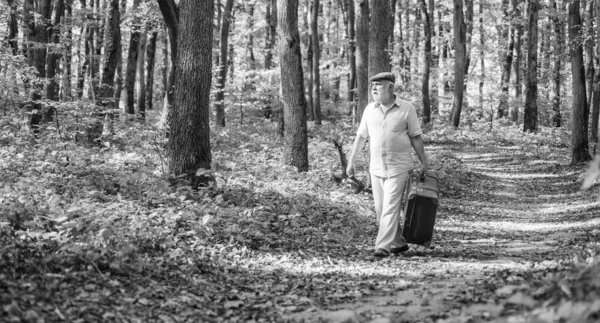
(393, 128)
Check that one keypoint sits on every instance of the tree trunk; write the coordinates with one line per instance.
(407, 44)
(13, 27)
(131, 69)
(434, 61)
(310, 112)
(596, 84)
(557, 66)
(589, 48)
(271, 19)
(517, 59)
(379, 35)
(97, 47)
(170, 13)
(580, 111)
(316, 86)
(54, 53)
(401, 45)
(222, 76)
(427, 63)
(508, 34)
(39, 35)
(67, 55)
(460, 61)
(482, 58)
(189, 138)
(362, 56)
(531, 91)
(141, 74)
(250, 43)
(150, 59)
(112, 54)
(290, 62)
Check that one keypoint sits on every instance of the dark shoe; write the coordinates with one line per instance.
(398, 250)
(381, 253)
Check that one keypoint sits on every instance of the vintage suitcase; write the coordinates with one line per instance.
(420, 203)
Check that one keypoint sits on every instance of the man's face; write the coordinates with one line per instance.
(381, 90)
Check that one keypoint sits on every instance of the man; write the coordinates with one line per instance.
(393, 128)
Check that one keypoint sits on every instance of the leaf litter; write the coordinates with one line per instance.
(100, 234)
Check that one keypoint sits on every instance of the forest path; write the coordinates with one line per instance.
(520, 212)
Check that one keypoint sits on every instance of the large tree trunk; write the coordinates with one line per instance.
(150, 59)
(379, 34)
(316, 86)
(362, 56)
(141, 74)
(460, 62)
(112, 54)
(189, 138)
(222, 77)
(294, 103)
(54, 53)
(557, 66)
(579, 132)
(517, 59)
(427, 63)
(506, 56)
(531, 91)
(131, 69)
(482, 58)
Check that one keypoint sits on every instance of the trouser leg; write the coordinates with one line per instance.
(387, 195)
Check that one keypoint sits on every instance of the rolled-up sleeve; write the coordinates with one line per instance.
(414, 126)
(363, 130)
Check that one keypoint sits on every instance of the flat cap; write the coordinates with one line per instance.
(385, 76)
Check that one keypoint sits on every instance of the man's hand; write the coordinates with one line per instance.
(424, 167)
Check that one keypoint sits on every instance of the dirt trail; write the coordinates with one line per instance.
(520, 212)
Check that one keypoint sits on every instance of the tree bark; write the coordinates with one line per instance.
(557, 66)
(351, 51)
(580, 109)
(189, 138)
(112, 55)
(150, 59)
(481, 57)
(54, 53)
(460, 61)
(316, 86)
(140, 80)
(517, 59)
(362, 56)
(290, 62)
(427, 63)
(596, 83)
(222, 76)
(170, 13)
(13, 27)
(131, 69)
(379, 35)
(67, 55)
(589, 49)
(271, 19)
(531, 91)
(507, 34)
(250, 43)
(39, 35)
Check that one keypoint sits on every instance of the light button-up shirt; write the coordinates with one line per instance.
(389, 131)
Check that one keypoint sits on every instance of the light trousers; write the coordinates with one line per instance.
(387, 194)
